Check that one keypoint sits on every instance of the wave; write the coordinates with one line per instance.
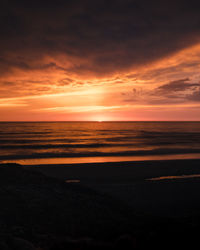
(163, 151)
(48, 140)
(57, 146)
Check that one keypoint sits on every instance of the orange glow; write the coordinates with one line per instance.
(54, 95)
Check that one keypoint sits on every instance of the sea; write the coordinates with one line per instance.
(36, 143)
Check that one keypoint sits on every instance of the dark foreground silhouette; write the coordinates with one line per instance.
(40, 212)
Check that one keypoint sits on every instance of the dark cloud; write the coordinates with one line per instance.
(195, 96)
(25, 64)
(178, 85)
(101, 36)
(182, 90)
(174, 92)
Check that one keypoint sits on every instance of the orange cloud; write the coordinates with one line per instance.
(50, 92)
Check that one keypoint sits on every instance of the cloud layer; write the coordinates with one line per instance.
(64, 46)
(94, 37)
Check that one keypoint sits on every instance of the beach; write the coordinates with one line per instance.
(99, 125)
(104, 202)
(134, 184)
(89, 185)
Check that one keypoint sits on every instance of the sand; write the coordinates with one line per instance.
(130, 182)
(105, 200)
(119, 171)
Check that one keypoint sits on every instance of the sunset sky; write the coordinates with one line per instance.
(97, 60)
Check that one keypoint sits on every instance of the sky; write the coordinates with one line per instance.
(102, 60)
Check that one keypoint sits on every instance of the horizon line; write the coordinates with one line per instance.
(112, 121)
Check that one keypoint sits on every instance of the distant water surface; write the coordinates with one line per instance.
(76, 142)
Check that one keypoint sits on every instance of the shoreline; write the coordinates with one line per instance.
(119, 171)
(111, 200)
(98, 158)
(131, 184)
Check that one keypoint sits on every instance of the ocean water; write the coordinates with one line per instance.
(81, 142)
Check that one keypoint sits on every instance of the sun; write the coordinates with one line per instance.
(99, 118)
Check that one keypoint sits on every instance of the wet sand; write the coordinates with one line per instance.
(119, 172)
(102, 201)
(133, 183)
